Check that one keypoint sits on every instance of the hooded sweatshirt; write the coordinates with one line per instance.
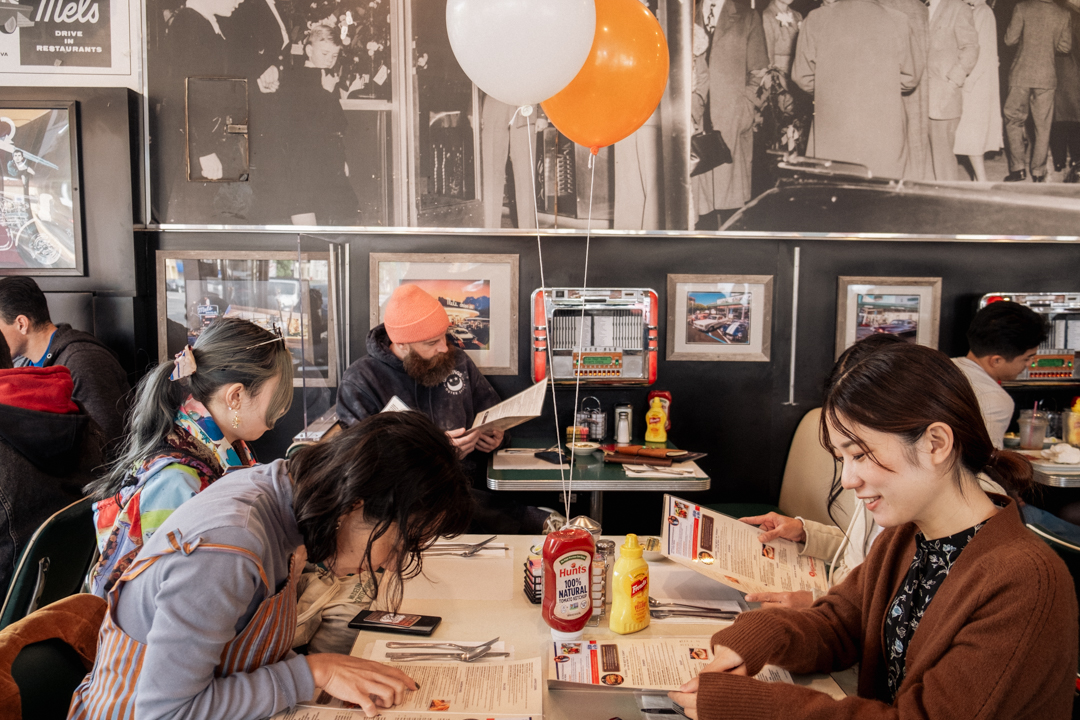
(49, 449)
(372, 381)
(101, 385)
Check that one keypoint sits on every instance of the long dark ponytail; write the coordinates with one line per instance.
(230, 350)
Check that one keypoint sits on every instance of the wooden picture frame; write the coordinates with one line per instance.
(488, 334)
(719, 317)
(255, 286)
(906, 306)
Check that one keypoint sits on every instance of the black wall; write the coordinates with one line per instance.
(734, 411)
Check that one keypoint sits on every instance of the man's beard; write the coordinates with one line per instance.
(430, 373)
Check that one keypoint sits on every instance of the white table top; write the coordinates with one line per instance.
(479, 598)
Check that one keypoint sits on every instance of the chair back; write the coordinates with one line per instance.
(45, 656)
(808, 476)
(54, 563)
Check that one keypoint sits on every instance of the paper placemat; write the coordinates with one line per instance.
(523, 461)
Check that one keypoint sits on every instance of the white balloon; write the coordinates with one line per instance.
(521, 51)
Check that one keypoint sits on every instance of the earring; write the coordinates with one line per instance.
(236, 418)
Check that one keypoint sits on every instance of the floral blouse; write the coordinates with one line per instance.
(931, 565)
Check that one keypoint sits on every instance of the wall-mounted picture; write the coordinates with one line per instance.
(40, 209)
(275, 290)
(908, 308)
(719, 317)
(478, 292)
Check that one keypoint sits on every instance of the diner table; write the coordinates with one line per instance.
(590, 474)
(482, 597)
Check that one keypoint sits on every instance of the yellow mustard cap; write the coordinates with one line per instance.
(631, 548)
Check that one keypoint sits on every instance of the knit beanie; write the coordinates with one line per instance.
(414, 316)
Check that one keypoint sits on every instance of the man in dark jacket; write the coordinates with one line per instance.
(411, 357)
(49, 449)
(101, 385)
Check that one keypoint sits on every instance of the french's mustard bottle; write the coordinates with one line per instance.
(630, 589)
(655, 422)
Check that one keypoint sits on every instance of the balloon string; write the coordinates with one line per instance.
(543, 294)
(581, 326)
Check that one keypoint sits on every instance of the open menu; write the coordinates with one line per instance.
(494, 690)
(524, 406)
(728, 551)
(641, 665)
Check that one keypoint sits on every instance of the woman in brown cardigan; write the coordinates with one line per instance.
(999, 639)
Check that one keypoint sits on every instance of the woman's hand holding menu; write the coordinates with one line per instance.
(724, 660)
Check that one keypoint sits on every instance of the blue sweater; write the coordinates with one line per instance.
(185, 609)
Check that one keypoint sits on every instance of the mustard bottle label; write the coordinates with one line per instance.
(639, 598)
(572, 596)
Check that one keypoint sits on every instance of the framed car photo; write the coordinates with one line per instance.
(479, 293)
(719, 317)
(908, 307)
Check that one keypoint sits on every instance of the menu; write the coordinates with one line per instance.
(728, 551)
(648, 664)
(524, 406)
(495, 691)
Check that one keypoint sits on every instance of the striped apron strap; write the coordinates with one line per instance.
(108, 691)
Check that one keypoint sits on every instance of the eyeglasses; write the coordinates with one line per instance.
(275, 328)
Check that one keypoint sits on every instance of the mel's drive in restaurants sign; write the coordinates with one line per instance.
(63, 35)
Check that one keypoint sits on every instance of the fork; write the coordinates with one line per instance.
(674, 612)
(461, 546)
(467, 553)
(470, 656)
(450, 646)
(654, 603)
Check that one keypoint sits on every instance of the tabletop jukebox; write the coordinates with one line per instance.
(604, 336)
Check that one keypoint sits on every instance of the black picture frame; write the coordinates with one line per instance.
(41, 233)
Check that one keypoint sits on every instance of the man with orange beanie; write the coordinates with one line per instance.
(410, 356)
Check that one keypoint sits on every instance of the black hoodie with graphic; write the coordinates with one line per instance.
(372, 381)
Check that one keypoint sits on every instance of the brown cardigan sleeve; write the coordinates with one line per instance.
(1002, 643)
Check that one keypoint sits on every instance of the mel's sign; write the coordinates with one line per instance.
(74, 33)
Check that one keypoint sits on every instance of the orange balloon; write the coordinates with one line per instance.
(621, 82)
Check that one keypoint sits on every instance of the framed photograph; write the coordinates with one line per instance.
(40, 207)
(908, 307)
(479, 292)
(719, 317)
(271, 289)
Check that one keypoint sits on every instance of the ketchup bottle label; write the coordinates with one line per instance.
(572, 585)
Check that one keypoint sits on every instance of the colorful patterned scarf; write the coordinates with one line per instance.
(195, 447)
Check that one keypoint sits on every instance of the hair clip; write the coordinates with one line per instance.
(183, 364)
(276, 330)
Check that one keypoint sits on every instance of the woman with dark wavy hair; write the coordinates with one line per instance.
(202, 624)
(958, 612)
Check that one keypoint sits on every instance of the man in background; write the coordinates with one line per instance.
(410, 357)
(1003, 338)
(101, 385)
(1041, 28)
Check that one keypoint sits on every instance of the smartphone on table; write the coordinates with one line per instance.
(383, 621)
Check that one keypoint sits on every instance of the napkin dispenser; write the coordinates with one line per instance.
(598, 336)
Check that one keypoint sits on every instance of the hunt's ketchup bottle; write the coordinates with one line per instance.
(568, 556)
